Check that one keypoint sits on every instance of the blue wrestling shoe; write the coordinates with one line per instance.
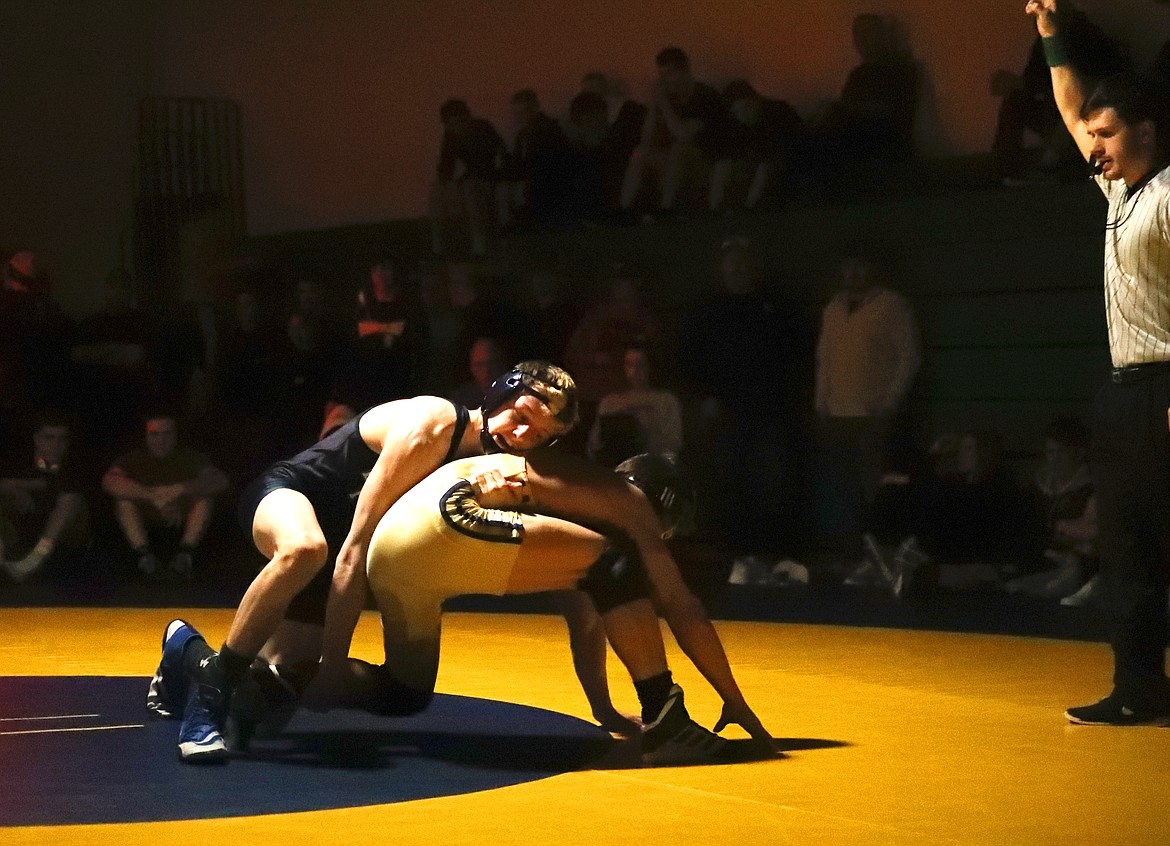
(200, 741)
(167, 692)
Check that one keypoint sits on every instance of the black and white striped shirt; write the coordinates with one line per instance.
(1137, 270)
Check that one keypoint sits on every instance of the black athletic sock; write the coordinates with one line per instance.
(652, 693)
(195, 653)
(235, 666)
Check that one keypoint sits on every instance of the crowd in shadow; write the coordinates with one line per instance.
(127, 434)
(614, 159)
(693, 146)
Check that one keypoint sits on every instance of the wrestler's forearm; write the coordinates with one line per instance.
(700, 642)
(347, 598)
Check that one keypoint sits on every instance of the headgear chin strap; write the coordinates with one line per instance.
(503, 390)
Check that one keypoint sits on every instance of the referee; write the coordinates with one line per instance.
(1118, 128)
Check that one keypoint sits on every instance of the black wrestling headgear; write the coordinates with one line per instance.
(550, 384)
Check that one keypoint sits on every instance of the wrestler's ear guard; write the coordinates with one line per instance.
(659, 477)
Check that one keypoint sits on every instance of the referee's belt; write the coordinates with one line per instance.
(1133, 372)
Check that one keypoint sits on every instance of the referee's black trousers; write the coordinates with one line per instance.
(1130, 461)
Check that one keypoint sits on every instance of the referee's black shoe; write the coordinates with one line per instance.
(1115, 711)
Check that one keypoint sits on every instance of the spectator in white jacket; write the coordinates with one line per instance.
(868, 353)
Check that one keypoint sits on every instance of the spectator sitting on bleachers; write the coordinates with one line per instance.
(35, 372)
(310, 353)
(601, 146)
(551, 311)
(113, 353)
(873, 117)
(482, 306)
(487, 361)
(624, 129)
(534, 174)
(386, 358)
(680, 139)
(470, 157)
(1067, 510)
(621, 318)
(164, 490)
(44, 517)
(247, 374)
(656, 415)
(759, 138)
(594, 165)
(965, 523)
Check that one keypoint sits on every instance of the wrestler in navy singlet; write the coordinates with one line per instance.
(330, 474)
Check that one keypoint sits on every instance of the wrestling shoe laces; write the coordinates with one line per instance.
(673, 738)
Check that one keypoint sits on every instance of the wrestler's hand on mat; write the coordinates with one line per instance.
(492, 489)
(615, 722)
(743, 716)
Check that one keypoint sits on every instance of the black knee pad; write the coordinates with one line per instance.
(615, 578)
(392, 698)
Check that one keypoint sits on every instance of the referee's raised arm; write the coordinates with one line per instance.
(1068, 86)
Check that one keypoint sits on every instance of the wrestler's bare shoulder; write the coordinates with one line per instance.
(424, 416)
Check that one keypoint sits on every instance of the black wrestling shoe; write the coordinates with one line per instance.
(1114, 711)
(261, 706)
(674, 739)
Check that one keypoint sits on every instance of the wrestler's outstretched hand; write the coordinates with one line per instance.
(492, 489)
(743, 716)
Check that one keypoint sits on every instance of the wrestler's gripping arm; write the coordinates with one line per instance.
(415, 435)
(585, 493)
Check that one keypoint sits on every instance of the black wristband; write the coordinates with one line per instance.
(1055, 51)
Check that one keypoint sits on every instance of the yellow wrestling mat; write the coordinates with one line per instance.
(892, 737)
